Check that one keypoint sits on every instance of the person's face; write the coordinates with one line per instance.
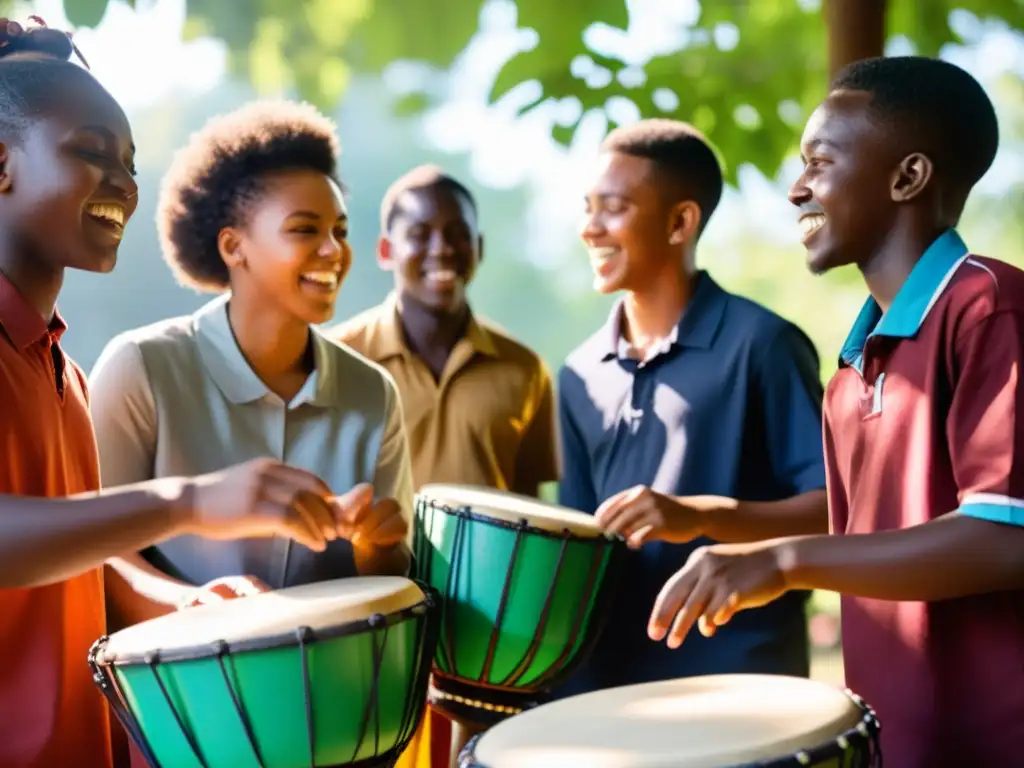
(631, 228)
(852, 182)
(67, 186)
(292, 249)
(433, 247)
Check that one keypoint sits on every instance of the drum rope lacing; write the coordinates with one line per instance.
(574, 646)
(379, 624)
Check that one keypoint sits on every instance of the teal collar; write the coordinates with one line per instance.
(919, 293)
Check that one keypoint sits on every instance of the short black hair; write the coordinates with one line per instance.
(421, 177)
(33, 62)
(935, 103)
(223, 169)
(681, 154)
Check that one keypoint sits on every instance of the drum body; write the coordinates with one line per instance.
(328, 674)
(719, 721)
(523, 585)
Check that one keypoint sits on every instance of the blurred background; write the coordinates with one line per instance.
(513, 97)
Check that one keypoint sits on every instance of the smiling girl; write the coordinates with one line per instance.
(251, 209)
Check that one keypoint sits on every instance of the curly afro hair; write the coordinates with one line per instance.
(223, 169)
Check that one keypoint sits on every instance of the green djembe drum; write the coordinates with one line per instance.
(524, 587)
(328, 674)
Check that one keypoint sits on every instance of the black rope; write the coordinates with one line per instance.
(250, 734)
(506, 589)
(304, 636)
(153, 661)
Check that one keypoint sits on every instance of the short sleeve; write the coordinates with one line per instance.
(124, 414)
(789, 384)
(393, 475)
(576, 486)
(537, 458)
(985, 423)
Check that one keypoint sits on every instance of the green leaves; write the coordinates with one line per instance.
(85, 13)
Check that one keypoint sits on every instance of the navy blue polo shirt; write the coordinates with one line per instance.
(730, 406)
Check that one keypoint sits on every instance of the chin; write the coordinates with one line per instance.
(97, 263)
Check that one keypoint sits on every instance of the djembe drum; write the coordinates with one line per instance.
(524, 586)
(328, 674)
(719, 721)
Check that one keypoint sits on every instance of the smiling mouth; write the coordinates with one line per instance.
(326, 281)
(107, 215)
(811, 223)
(441, 278)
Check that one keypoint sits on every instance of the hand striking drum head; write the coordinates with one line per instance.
(329, 674)
(702, 722)
(522, 583)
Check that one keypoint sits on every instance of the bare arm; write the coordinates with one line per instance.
(949, 557)
(729, 520)
(48, 540)
(149, 581)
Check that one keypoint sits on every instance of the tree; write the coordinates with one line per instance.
(746, 71)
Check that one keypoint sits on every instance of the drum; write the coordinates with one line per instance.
(700, 722)
(524, 587)
(328, 674)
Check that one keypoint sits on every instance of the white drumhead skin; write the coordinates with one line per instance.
(700, 722)
(512, 507)
(317, 606)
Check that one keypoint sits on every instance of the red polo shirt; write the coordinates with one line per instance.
(924, 417)
(51, 713)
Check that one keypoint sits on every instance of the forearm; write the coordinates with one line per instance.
(732, 521)
(383, 561)
(950, 557)
(149, 582)
(48, 540)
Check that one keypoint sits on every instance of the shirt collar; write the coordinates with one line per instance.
(235, 377)
(385, 337)
(696, 328)
(923, 287)
(20, 320)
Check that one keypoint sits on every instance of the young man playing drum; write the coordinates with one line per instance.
(692, 415)
(66, 193)
(478, 404)
(923, 428)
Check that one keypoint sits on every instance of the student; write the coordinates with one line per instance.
(66, 193)
(478, 404)
(251, 209)
(922, 429)
(693, 414)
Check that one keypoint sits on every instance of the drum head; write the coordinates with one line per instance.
(512, 508)
(702, 722)
(317, 606)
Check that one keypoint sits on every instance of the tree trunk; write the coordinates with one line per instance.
(856, 30)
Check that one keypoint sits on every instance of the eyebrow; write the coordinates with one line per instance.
(105, 133)
(314, 216)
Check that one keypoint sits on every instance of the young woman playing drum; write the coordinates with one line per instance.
(66, 193)
(251, 209)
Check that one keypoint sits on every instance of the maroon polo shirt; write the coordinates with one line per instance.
(924, 417)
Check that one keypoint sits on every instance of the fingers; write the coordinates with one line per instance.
(295, 513)
(670, 600)
(351, 509)
(609, 512)
(692, 608)
(719, 610)
(381, 524)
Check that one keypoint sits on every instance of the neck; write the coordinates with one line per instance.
(429, 332)
(274, 344)
(651, 314)
(890, 265)
(39, 283)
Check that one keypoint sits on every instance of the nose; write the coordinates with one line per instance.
(332, 247)
(123, 181)
(592, 227)
(440, 245)
(799, 193)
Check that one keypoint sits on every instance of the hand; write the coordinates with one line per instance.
(715, 583)
(641, 515)
(262, 498)
(369, 524)
(227, 588)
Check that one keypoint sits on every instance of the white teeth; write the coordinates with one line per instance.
(602, 253)
(441, 275)
(328, 279)
(812, 223)
(108, 211)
